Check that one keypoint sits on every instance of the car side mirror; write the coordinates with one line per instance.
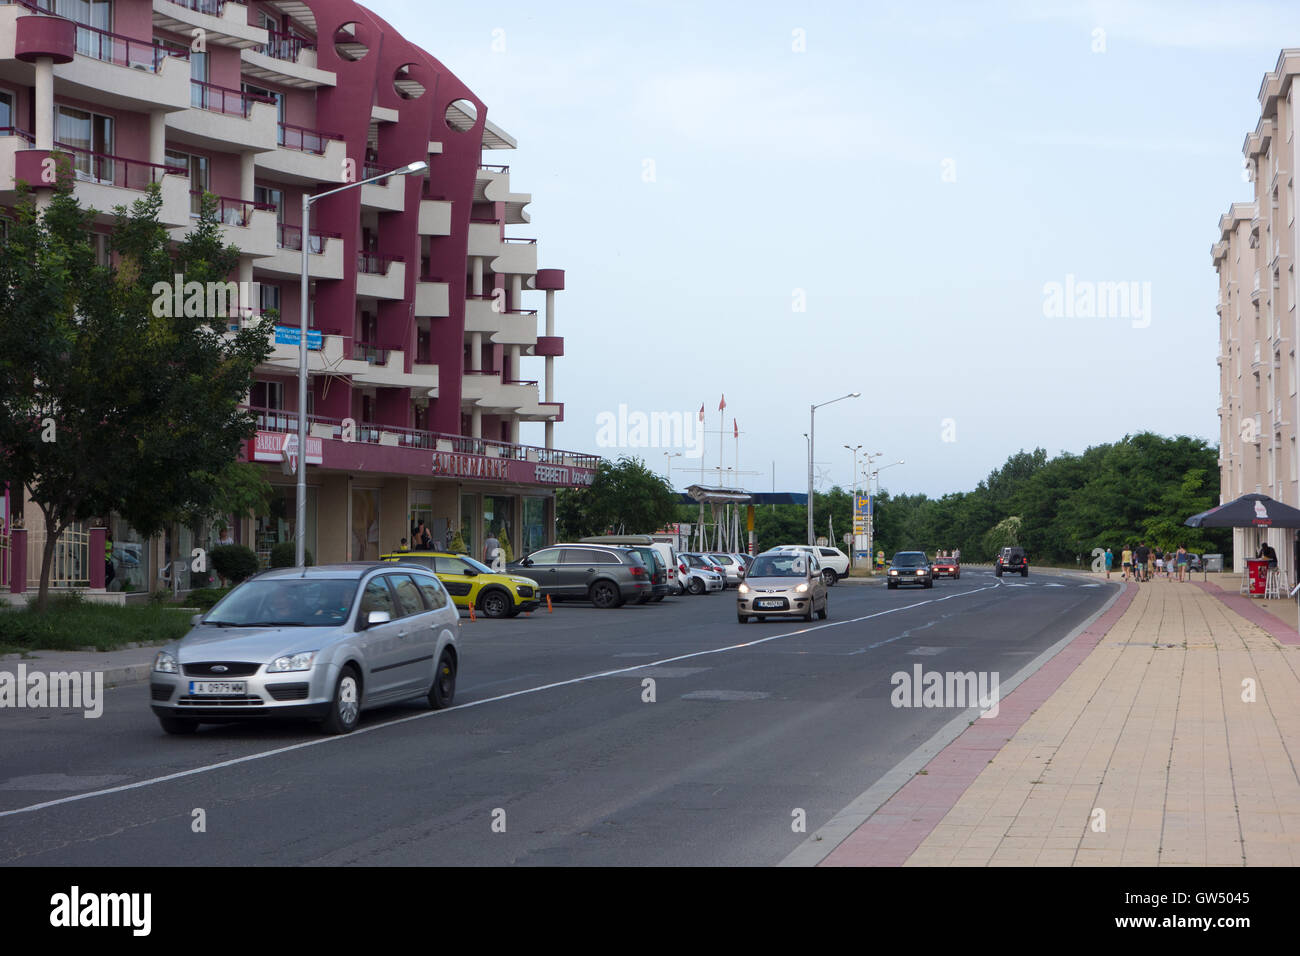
(378, 617)
(469, 572)
(527, 562)
(196, 620)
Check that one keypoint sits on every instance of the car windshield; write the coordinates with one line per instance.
(909, 559)
(292, 602)
(789, 565)
(478, 566)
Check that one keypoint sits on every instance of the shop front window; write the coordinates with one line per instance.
(534, 526)
(128, 555)
(469, 523)
(499, 523)
(277, 525)
(365, 524)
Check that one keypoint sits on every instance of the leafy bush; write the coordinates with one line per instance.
(285, 555)
(234, 562)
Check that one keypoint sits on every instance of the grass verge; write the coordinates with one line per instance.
(69, 624)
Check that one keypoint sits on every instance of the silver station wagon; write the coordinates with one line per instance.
(322, 643)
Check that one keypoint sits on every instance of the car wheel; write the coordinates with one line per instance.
(345, 708)
(604, 595)
(444, 682)
(998, 573)
(830, 577)
(1024, 573)
(824, 611)
(696, 586)
(742, 618)
(929, 584)
(892, 585)
(494, 604)
(178, 725)
(809, 615)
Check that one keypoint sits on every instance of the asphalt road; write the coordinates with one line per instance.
(552, 755)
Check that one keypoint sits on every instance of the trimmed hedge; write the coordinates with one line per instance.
(234, 562)
(285, 555)
(70, 623)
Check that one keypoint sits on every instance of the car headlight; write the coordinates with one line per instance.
(165, 663)
(920, 570)
(802, 588)
(893, 572)
(292, 662)
(743, 589)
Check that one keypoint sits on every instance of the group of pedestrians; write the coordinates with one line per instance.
(1145, 563)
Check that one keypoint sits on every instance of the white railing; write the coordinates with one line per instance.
(70, 566)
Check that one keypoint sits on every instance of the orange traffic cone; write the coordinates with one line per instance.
(549, 609)
(471, 612)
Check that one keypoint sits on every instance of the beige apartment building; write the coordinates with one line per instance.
(1254, 258)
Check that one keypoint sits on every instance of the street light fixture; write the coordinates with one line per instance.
(670, 455)
(812, 440)
(300, 523)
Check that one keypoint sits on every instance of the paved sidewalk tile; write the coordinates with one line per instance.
(1166, 734)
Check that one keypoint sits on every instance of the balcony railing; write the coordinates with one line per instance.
(370, 352)
(285, 46)
(290, 237)
(304, 139)
(370, 170)
(232, 212)
(112, 170)
(20, 133)
(527, 242)
(212, 8)
(494, 169)
(111, 47)
(269, 419)
(518, 381)
(221, 99)
(376, 263)
(482, 371)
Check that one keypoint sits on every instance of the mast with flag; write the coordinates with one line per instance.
(722, 407)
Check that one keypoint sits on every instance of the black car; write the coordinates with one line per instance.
(1012, 561)
(910, 567)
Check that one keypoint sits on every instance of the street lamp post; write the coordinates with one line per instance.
(300, 524)
(853, 501)
(812, 441)
(670, 455)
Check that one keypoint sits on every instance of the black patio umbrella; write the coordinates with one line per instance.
(1248, 511)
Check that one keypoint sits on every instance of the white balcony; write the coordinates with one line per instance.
(432, 299)
(223, 24)
(302, 167)
(386, 194)
(517, 329)
(300, 72)
(126, 79)
(287, 261)
(390, 284)
(226, 129)
(518, 257)
(435, 217)
(252, 232)
(105, 197)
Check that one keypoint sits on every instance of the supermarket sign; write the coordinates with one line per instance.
(275, 446)
(448, 464)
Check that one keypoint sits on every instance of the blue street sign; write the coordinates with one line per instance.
(287, 335)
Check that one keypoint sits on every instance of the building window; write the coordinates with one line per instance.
(90, 135)
(6, 111)
(267, 395)
(268, 297)
(278, 98)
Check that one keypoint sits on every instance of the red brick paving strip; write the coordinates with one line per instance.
(1256, 615)
(893, 832)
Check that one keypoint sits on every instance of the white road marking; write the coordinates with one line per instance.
(1053, 585)
(321, 741)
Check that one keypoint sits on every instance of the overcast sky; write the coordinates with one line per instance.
(921, 172)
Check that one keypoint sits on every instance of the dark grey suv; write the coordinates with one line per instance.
(604, 575)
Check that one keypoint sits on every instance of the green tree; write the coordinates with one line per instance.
(625, 497)
(109, 405)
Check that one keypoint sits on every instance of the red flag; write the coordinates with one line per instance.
(722, 404)
(735, 429)
(701, 411)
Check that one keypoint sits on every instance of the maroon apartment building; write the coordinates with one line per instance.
(423, 300)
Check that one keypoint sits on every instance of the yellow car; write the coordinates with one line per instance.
(473, 584)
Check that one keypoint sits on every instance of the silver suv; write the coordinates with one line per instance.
(324, 643)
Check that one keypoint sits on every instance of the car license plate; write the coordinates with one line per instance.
(209, 688)
(768, 603)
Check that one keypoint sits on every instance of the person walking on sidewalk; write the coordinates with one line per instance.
(1182, 560)
(1140, 557)
(1126, 560)
(1110, 562)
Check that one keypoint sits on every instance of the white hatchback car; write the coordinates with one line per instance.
(835, 563)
